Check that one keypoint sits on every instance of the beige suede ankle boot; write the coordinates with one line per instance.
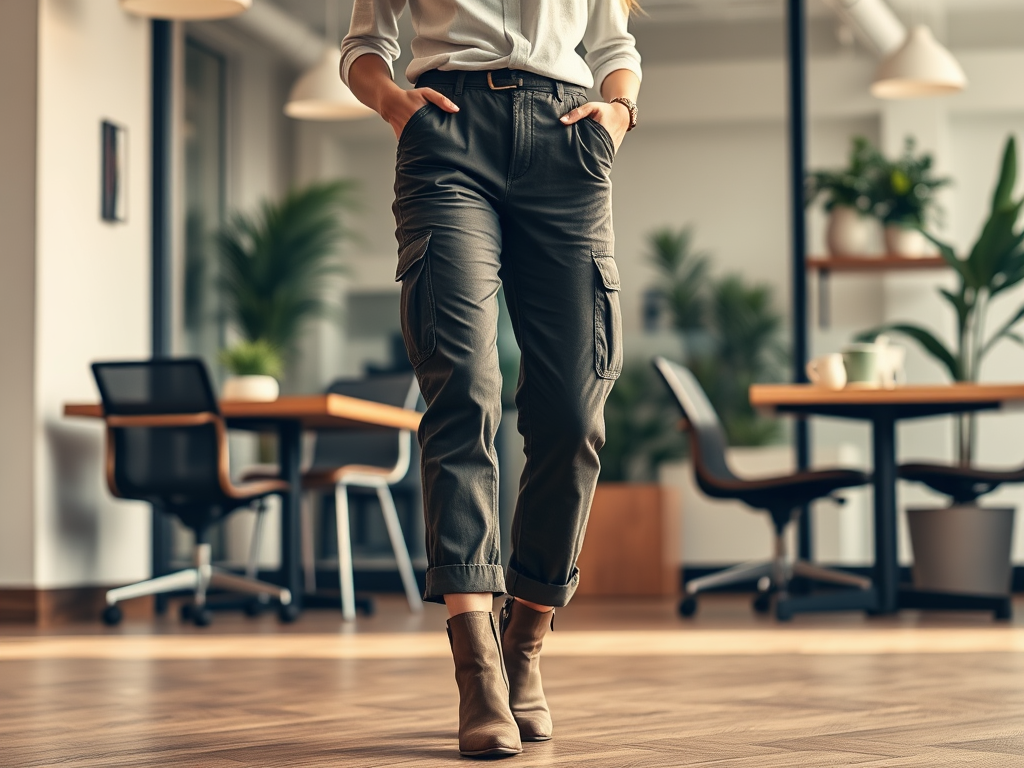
(486, 725)
(522, 634)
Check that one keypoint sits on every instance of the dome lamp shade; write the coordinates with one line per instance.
(920, 67)
(319, 94)
(186, 10)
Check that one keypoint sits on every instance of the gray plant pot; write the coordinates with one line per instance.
(963, 548)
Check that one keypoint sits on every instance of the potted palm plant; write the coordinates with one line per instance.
(274, 266)
(993, 265)
(905, 200)
(849, 199)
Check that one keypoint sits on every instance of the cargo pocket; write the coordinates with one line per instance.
(417, 299)
(607, 318)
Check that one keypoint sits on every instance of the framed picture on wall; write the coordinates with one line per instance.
(113, 170)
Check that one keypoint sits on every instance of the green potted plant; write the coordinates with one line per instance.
(849, 197)
(274, 270)
(905, 200)
(255, 368)
(731, 332)
(993, 265)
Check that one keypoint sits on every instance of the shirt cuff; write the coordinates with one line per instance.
(621, 62)
(349, 57)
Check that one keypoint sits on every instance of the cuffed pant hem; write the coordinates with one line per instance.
(538, 592)
(452, 579)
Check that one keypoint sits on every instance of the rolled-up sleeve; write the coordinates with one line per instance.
(374, 29)
(609, 44)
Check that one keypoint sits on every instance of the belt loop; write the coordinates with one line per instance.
(460, 82)
(559, 90)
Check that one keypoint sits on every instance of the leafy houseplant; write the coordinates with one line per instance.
(742, 329)
(994, 265)
(252, 358)
(849, 196)
(905, 200)
(274, 263)
(906, 189)
(852, 187)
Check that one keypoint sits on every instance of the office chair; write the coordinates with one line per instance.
(376, 459)
(167, 445)
(781, 497)
(964, 485)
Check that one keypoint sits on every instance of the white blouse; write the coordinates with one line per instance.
(539, 36)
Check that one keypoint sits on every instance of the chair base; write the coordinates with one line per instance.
(198, 579)
(774, 576)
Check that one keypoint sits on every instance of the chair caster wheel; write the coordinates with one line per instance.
(112, 615)
(687, 607)
(201, 617)
(185, 612)
(254, 608)
(783, 612)
(763, 602)
(288, 613)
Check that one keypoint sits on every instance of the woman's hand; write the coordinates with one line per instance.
(399, 105)
(614, 118)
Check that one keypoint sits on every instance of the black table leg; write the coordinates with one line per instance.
(289, 455)
(886, 574)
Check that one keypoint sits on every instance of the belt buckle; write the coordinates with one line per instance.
(493, 87)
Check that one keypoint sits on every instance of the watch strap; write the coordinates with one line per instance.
(631, 106)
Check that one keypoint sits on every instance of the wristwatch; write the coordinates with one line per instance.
(631, 106)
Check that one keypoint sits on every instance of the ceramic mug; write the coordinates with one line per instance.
(827, 371)
(891, 358)
(862, 364)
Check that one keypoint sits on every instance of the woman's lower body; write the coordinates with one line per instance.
(503, 194)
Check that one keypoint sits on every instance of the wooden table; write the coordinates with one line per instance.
(289, 415)
(883, 407)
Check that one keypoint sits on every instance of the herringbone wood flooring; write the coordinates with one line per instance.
(822, 692)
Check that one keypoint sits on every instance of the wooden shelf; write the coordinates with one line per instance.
(826, 265)
(888, 263)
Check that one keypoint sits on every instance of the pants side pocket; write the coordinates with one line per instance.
(418, 313)
(607, 317)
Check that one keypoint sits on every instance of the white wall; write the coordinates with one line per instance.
(87, 283)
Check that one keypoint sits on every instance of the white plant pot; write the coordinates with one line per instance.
(255, 389)
(850, 232)
(963, 548)
(901, 241)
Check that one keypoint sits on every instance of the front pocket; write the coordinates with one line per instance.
(607, 317)
(606, 138)
(411, 122)
(418, 314)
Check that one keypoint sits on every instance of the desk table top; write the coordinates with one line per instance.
(782, 395)
(311, 411)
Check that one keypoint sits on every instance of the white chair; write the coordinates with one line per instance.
(375, 459)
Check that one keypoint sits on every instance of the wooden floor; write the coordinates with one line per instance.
(630, 685)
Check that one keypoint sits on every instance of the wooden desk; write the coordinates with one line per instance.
(883, 407)
(288, 416)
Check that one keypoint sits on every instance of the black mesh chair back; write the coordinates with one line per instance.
(708, 438)
(148, 387)
(373, 448)
(175, 464)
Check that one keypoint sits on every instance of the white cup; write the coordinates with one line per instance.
(891, 359)
(827, 371)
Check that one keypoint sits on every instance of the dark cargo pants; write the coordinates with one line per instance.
(502, 193)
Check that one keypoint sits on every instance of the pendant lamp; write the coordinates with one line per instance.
(320, 95)
(922, 66)
(184, 10)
